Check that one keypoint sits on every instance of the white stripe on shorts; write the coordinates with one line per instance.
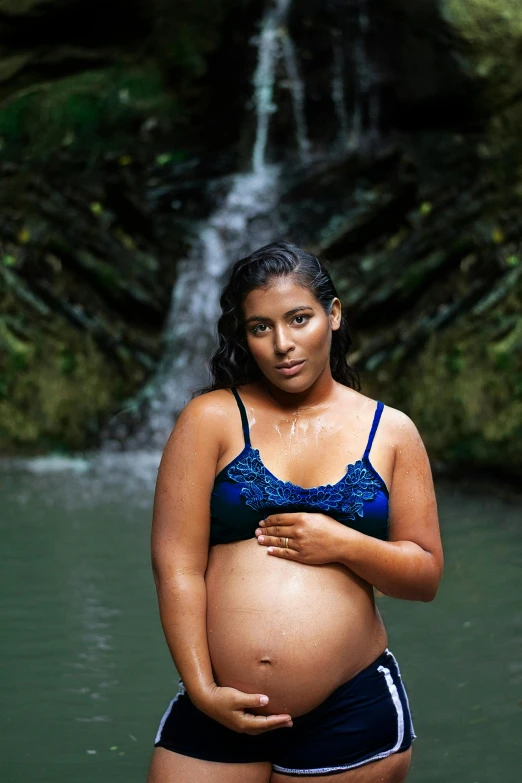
(400, 736)
(413, 735)
(181, 691)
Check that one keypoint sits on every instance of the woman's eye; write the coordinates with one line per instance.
(262, 328)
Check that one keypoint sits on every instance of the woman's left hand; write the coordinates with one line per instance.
(307, 538)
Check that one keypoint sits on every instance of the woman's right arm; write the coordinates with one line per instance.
(180, 541)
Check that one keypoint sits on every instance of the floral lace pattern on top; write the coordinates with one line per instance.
(262, 489)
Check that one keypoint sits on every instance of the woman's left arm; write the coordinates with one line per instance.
(409, 564)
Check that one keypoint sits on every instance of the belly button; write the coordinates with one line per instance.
(266, 661)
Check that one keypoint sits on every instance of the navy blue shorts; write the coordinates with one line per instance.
(363, 720)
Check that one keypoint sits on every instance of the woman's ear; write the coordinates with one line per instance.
(335, 314)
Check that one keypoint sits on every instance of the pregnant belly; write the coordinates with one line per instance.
(294, 632)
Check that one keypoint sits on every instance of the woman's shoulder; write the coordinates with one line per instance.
(212, 405)
(401, 430)
(205, 415)
(396, 422)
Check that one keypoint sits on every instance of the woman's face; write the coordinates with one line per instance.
(288, 333)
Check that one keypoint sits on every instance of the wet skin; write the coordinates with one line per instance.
(292, 631)
(241, 617)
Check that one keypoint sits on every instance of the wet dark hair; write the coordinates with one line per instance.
(232, 363)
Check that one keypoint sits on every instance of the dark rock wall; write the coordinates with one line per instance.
(115, 117)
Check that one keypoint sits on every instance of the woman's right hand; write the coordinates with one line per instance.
(228, 706)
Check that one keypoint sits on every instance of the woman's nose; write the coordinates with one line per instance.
(283, 341)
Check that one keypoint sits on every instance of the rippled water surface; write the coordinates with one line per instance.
(86, 674)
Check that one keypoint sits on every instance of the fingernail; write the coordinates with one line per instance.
(258, 531)
(263, 699)
(260, 538)
(262, 523)
(270, 549)
(288, 725)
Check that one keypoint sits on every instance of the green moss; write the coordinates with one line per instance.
(15, 115)
(493, 30)
(455, 360)
(56, 385)
(464, 392)
(492, 34)
(42, 399)
(93, 110)
(67, 362)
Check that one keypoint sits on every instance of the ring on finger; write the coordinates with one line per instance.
(286, 543)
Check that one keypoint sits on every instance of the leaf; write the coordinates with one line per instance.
(498, 236)
(24, 236)
(164, 158)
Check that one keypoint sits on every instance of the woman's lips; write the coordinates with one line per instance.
(290, 370)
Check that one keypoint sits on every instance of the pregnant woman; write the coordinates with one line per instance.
(284, 497)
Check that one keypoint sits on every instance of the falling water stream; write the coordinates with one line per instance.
(246, 217)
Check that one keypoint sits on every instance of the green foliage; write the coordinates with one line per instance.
(67, 362)
(55, 382)
(493, 28)
(91, 111)
(464, 389)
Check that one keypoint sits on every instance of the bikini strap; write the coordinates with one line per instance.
(375, 424)
(244, 419)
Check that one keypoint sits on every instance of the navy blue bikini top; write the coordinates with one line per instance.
(245, 492)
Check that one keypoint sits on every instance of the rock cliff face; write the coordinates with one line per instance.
(399, 160)
(431, 271)
(490, 36)
(102, 123)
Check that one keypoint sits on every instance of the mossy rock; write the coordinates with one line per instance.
(93, 111)
(464, 390)
(491, 31)
(56, 385)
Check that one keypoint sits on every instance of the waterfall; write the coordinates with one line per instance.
(264, 78)
(298, 94)
(366, 109)
(338, 89)
(195, 309)
(246, 219)
(275, 45)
